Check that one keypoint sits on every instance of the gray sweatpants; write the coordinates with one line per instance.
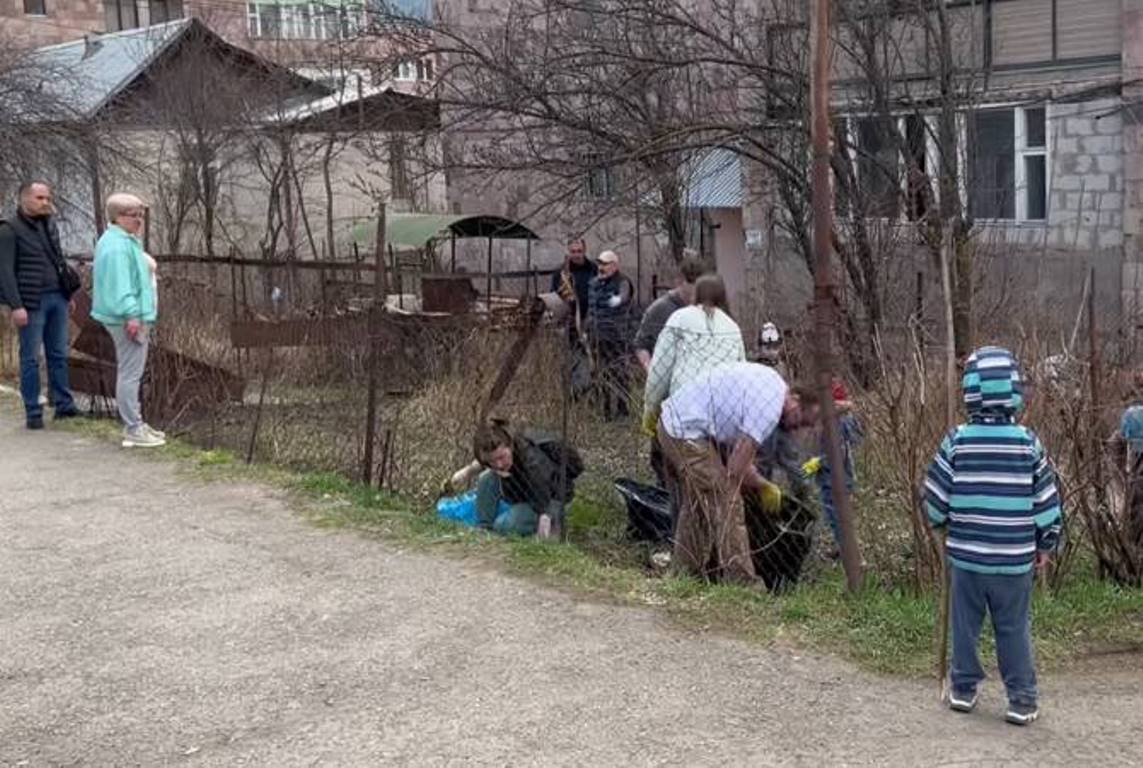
(131, 358)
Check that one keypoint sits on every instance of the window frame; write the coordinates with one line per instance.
(307, 21)
(173, 10)
(43, 8)
(601, 183)
(415, 70)
(1021, 150)
(933, 162)
(119, 7)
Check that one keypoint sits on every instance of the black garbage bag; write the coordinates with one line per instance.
(649, 515)
(780, 543)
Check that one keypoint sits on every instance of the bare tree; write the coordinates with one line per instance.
(593, 100)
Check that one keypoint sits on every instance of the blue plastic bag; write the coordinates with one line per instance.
(462, 509)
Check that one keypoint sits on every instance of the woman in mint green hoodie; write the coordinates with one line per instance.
(124, 301)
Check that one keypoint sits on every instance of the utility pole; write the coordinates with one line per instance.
(825, 285)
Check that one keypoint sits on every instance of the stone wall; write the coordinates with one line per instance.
(1132, 157)
(1085, 210)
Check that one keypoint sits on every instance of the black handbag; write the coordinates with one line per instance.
(70, 282)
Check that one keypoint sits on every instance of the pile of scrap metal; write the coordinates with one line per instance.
(174, 386)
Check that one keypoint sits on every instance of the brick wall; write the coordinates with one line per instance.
(65, 20)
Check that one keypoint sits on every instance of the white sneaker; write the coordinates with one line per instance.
(544, 527)
(141, 438)
(154, 432)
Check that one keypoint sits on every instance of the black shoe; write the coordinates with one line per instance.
(71, 413)
(1022, 714)
(35, 422)
(963, 701)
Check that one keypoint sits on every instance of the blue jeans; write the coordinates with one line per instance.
(48, 328)
(1008, 600)
(851, 435)
(825, 490)
(519, 519)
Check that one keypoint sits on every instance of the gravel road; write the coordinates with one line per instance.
(150, 620)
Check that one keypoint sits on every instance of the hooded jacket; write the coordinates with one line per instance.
(991, 482)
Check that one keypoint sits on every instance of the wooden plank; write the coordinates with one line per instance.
(307, 332)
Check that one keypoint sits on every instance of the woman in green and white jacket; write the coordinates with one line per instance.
(124, 300)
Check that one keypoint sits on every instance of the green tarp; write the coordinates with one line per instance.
(414, 230)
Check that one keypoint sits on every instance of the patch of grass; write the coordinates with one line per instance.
(886, 630)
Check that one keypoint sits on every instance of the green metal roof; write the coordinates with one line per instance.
(414, 230)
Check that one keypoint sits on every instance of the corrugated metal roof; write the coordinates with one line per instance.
(713, 179)
(83, 75)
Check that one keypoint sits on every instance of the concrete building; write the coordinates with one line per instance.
(1048, 149)
(230, 150)
(322, 39)
(1051, 173)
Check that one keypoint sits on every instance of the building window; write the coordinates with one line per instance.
(1008, 164)
(399, 186)
(918, 191)
(418, 70)
(35, 7)
(419, 10)
(878, 168)
(304, 21)
(162, 11)
(601, 183)
(120, 14)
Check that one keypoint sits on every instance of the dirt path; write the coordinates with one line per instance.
(148, 620)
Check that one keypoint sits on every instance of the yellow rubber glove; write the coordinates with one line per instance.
(811, 467)
(771, 497)
(650, 424)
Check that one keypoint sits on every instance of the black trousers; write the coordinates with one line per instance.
(613, 377)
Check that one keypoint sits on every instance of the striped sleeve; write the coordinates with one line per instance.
(939, 483)
(1047, 511)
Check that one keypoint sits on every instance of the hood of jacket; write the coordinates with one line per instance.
(992, 385)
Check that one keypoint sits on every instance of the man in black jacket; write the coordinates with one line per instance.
(31, 263)
(610, 298)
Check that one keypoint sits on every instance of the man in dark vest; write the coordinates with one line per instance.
(31, 262)
(610, 298)
(571, 283)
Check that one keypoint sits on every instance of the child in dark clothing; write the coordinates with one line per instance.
(819, 467)
(992, 486)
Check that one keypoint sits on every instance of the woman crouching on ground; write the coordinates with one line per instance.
(124, 301)
(525, 470)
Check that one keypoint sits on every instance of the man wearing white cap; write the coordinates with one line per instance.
(610, 296)
(770, 349)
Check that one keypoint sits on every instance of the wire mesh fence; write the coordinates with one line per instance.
(277, 368)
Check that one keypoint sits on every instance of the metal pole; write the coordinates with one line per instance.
(147, 229)
(825, 286)
(565, 418)
(638, 250)
(452, 258)
(1093, 371)
(233, 257)
(528, 268)
(488, 279)
(379, 294)
(945, 612)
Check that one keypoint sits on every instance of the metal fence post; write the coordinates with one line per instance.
(375, 313)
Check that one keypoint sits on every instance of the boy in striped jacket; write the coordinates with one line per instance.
(994, 489)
